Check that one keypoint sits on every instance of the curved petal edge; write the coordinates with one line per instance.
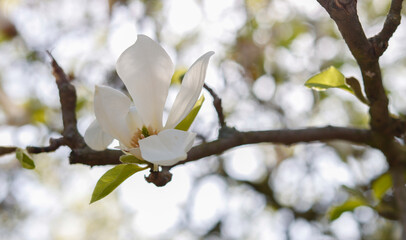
(189, 92)
(168, 147)
(111, 108)
(96, 138)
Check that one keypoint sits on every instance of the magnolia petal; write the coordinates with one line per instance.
(146, 70)
(96, 138)
(189, 92)
(168, 147)
(177, 139)
(130, 150)
(136, 152)
(134, 121)
(111, 108)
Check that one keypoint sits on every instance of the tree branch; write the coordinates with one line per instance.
(380, 41)
(367, 53)
(92, 158)
(399, 189)
(396, 156)
(7, 150)
(67, 96)
(344, 14)
(286, 136)
(217, 105)
(53, 145)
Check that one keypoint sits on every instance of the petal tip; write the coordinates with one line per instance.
(143, 36)
(211, 53)
(206, 55)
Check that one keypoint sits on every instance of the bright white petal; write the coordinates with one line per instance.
(146, 70)
(189, 92)
(96, 138)
(111, 108)
(168, 147)
(134, 120)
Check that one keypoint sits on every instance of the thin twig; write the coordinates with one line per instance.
(217, 105)
(7, 150)
(380, 41)
(54, 144)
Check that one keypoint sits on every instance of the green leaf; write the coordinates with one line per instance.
(184, 125)
(381, 185)
(177, 77)
(112, 179)
(25, 159)
(349, 205)
(356, 87)
(132, 159)
(329, 78)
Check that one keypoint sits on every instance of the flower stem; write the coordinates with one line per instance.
(155, 168)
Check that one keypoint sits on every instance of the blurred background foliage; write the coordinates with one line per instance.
(265, 51)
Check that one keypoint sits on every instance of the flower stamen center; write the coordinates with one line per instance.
(142, 133)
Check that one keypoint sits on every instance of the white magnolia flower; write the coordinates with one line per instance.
(146, 71)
